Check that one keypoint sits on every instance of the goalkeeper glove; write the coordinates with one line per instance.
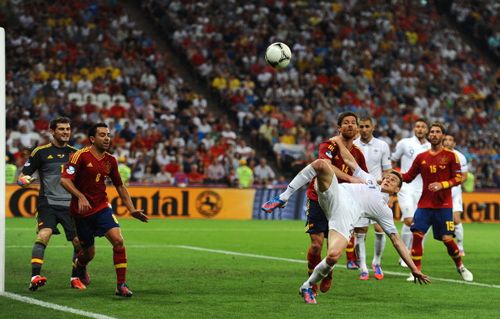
(25, 180)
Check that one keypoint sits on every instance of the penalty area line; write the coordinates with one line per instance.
(53, 306)
(234, 253)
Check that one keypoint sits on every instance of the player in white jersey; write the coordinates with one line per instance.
(377, 156)
(456, 193)
(343, 206)
(406, 151)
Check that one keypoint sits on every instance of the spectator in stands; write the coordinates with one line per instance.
(244, 175)
(216, 173)
(263, 173)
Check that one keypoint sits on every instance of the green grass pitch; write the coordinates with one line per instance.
(172, 278)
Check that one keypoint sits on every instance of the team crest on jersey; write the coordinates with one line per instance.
(70, 170)
(443, 161)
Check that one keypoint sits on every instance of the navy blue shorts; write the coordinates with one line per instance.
(94, 225)
(316, 222)
(441, 220)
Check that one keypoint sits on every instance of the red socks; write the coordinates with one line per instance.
(120, 261)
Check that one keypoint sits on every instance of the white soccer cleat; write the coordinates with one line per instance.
(411, 278)
(402, 263)
(465, 273)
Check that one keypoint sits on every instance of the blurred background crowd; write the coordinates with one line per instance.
(250, 125)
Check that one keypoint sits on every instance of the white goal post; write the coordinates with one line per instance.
(2, 161)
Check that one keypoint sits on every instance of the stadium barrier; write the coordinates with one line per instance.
(228, 203)
(157, 202)
(478, 207)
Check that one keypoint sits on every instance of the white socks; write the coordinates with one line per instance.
(406, 236)
(361, 251)
(459, 235)
(379, 248)
(320, 271)
(301, 179)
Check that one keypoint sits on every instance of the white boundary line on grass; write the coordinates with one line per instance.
(299, 261)
(226, 252)
(53, 306)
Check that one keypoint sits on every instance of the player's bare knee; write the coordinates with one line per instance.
(320, 166)
(333, 256)
(316, 247)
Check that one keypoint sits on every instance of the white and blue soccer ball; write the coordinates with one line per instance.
(278, 55)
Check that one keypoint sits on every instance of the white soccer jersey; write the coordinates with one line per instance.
(407, 150)
(344, 204)
(456, 191)
(377, 156)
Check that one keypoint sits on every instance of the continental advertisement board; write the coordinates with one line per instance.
(157, 202)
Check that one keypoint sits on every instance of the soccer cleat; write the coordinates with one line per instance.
(85, 277)
(77, 284)
(377, 272)
(352, 265)
(308, 295)
(411, 278)
(36, 282)
(272, 204)
(314, 288)
(402, 263)
(465, 273)
(326, 283)
(364, 276)
(123, 291)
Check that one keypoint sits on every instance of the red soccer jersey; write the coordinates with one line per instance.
(89, 175)
(329, 150)
(443, 166)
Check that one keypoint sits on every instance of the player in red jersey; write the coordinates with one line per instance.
(317, 223)
(440, 171)
(84, 177)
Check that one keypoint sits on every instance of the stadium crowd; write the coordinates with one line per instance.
(395, 61)
(87, 60)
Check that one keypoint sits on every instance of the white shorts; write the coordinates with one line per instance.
(364, 222)
(340, 213)
(408, 200)
(456, 193)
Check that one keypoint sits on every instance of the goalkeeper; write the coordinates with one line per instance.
(53, 199)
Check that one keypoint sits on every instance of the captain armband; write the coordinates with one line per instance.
(445, 184)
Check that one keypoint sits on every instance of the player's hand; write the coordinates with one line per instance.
(139, 214)
(422, 279)
(25, 180)
(436, 186)
(83, 205)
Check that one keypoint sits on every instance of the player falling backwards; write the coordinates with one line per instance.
(317, 224)
(84, 177)
(53, 199)
(343, 205)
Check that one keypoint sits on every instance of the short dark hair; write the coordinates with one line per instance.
(440, 125)
(423, 120)
(367, 118)
(398, 175)
(93, 128)
(59, 120)
(343, 115)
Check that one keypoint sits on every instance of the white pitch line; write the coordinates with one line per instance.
(226, 252)
(300, 261)
(54, 306)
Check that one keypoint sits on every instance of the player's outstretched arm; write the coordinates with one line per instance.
(405, 255)
(125, 196)
(346, 155)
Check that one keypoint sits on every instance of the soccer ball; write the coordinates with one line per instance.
(278, 55)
